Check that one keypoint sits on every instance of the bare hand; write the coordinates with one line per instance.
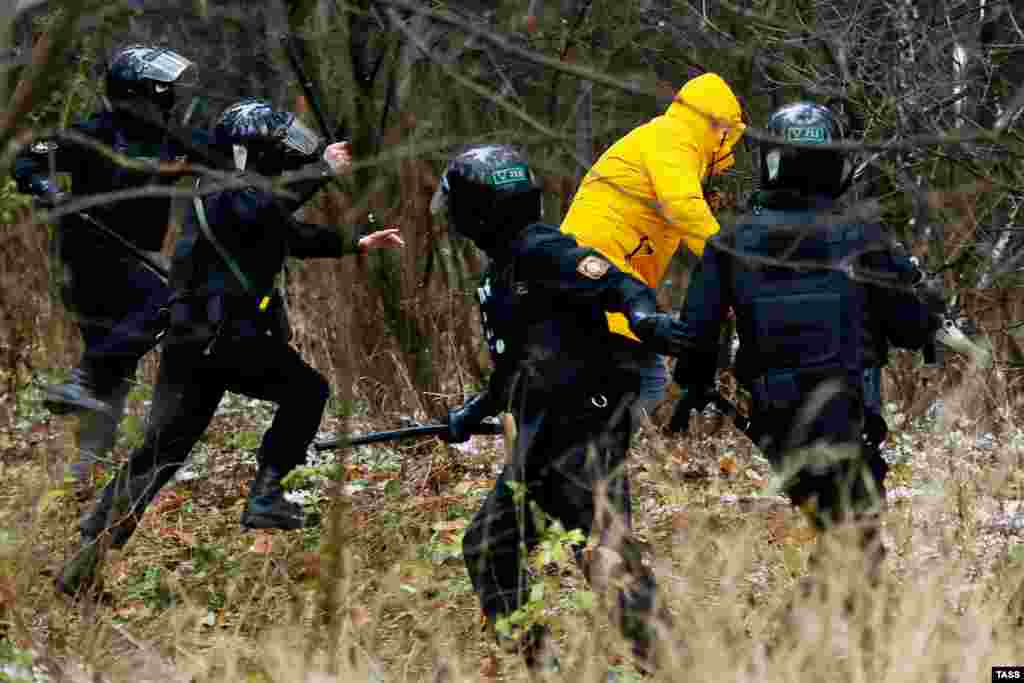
(339, 157)
(388, 238)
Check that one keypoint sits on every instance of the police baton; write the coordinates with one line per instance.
(398, 434)
(294, 50)
(141, 256)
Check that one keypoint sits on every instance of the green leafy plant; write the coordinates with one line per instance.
(554, 552)
(149, 587)
(12, 203)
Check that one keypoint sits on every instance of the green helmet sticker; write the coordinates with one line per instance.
(807, 134)
(511, 175)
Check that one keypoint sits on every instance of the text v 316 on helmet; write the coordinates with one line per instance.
(791, 163)
(489, 194)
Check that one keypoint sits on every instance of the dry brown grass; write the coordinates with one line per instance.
(193, 598)
(380, 590)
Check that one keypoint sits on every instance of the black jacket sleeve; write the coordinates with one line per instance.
(904, 319)
(309, 240)
(555, 262)
(708, 300)
(494, 398)
(315, 176)
(273, 215)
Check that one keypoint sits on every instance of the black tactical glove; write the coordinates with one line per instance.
(661, 332)
(47, 193)
(463, 420)
(933, 295)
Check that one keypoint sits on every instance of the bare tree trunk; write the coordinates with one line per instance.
(8, 48)
(584, 130)
(982, 79)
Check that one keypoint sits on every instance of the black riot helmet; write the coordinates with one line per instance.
(149, 74)
(798, 167)
(489, 193)
(264, 139)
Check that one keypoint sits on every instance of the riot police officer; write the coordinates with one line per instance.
(819, 293)
(228, 329)
(114, 297)
(569, 382)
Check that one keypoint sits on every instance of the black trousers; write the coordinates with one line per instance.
(189, 388)
(117, 305)
(570, 448)
(116, 300)
(843, 482)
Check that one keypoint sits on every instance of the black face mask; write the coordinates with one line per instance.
(163, 96)
(275, 162)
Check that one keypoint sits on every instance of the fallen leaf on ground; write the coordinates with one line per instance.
(183, 537)
(754, 476)
(167, 501)
(466, 486)
(359, 615)
(118, 570)
(489, 667)
(7, 591)
(132, 608)
(453, 525)
(727, 465)
(310, 565)
(263, 544)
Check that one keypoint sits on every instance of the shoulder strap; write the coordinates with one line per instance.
(204, 225)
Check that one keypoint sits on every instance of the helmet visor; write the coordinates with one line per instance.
(167, 66)
(300, 139)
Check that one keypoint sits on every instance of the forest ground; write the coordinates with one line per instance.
(386, 597)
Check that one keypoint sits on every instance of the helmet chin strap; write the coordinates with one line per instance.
(439, 202)
(771, 160)
(241, 156)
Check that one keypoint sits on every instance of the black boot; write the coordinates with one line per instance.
(96, 435)
(530, 643)
(266, 507)
(80, 575)
(79, 393)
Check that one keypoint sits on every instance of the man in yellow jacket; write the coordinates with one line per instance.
(644, 195)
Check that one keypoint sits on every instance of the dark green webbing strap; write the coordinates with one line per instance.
(204, 225)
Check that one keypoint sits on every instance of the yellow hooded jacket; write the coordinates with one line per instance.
(644, 195)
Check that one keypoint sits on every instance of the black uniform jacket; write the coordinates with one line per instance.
(142, 221)
(255, 232)
(543, 301)
(888, 311)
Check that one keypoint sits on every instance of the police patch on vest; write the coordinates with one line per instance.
(593, 267)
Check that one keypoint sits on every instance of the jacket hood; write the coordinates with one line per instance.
(707, 106)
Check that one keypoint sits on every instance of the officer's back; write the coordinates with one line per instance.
(818, 293)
